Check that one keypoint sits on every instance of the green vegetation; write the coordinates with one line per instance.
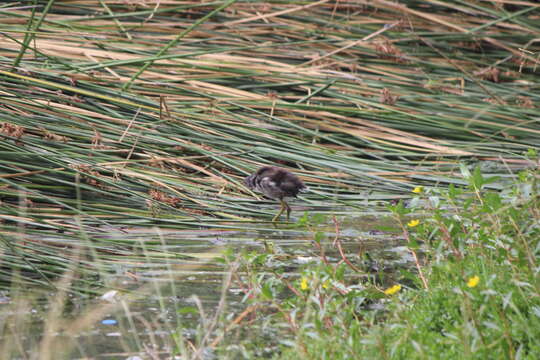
(475, 293)
(127, 127)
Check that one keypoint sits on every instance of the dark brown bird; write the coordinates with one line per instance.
(276, 183)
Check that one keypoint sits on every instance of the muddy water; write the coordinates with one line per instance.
(174, 284)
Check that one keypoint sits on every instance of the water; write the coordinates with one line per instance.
(172, 283)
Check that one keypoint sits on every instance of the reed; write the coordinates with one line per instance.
(123, 116)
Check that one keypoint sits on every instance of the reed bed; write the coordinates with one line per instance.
(123, 115)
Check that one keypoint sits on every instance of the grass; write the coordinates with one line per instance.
(124, 123)
(474, 294)
(115, 117)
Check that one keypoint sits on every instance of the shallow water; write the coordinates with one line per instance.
(175, 278)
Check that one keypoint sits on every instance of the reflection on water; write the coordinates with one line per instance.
(173, 280)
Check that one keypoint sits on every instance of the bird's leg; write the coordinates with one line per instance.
(288, 208)
(283, 207)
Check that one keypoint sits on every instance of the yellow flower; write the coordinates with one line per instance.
(473, 281)
(413, 223)
(392, 290)
(304, 283)
(326, 284)
(418, 189)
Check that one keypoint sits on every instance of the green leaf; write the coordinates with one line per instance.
(266, 291)
(319, 236)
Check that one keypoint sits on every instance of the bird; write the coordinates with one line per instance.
(277, 184)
